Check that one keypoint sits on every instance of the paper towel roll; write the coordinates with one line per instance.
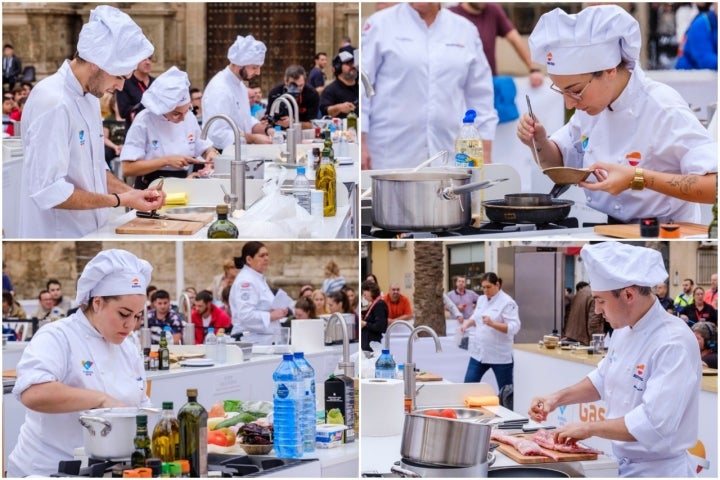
(308, 336)
(382, 410)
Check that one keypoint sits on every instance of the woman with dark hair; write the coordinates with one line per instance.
(375, 319)
(305, 309)
(337, 302)
(497, 321)
(251, 298)
(699, 311)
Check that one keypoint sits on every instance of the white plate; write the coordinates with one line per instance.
(197, 362)
(344, 160)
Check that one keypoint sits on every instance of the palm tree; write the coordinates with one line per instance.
(429, 286)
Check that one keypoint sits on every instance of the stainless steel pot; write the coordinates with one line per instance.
(423, 201)
(109, 432)
(443, 441)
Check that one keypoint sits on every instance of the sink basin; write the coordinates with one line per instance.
(196, 209)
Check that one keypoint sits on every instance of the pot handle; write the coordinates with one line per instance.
(491, 459)
(87, 422)
(403, 472)
(449, 193)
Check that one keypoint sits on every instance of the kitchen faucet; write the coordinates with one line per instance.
(409, 369)
(392, 325)
(347, 367)
(369, 89)
(236, 199)
(188, 334)
(294, 132)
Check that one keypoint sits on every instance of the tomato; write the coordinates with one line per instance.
(216, 437)
(217, 410)
(431, 413)
(230, 436)
(448, 413)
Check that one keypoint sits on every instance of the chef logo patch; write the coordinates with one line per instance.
(633, 158)
(87, 367)
(191, 138)
(245, 285)
(81, 137)
(549, 58)
(135, 283)
(154, 144)
(584, 142)
(638, 375)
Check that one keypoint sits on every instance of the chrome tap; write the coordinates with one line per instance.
(294, 131)
(236, 198)
(188, 333)
(369, 89)
(145, 337)
(346, 365)
(392, 325)
(409, 369)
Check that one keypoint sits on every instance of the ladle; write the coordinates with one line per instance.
(441, 154)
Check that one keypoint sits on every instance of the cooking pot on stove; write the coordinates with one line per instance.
(109, 432)
(440, 441)
(423, 201)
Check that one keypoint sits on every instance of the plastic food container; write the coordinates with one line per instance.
(329, 435)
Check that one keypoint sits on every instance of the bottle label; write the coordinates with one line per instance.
(282, 391)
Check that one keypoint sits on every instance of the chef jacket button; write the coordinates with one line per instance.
(617, 207)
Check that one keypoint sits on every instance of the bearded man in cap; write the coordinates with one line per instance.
(340, 97)
(67, 187)
(226, 94)
(650, 377)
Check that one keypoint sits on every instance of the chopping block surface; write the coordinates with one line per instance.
(150, 226)
(518, 457)
(633, 230)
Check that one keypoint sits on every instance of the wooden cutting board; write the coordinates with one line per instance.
(513, 454)
(633, 231)
(9, 374)
(709, 371)
(427, 377)
(149, 226)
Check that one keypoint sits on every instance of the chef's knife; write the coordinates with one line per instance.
(534, 147)
(156, 216)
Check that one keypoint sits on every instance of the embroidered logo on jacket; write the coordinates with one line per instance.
(633, 158)
(549, 59)
(87, 367)
(154, 144)
(81, 136)
(638, 375)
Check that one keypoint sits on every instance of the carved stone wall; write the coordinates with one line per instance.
(292, 264)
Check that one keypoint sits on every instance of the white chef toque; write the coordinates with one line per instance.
(113, 272)
(168, 91)
(247, 51)
(113, 41)
(615, 265)
(595, 39)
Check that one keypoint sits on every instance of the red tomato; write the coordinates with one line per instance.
(431, 413)
(217, 437)
(448, 413)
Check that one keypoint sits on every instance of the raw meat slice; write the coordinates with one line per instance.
(523, 445)
(546, 439)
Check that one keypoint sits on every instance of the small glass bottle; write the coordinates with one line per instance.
(163, 352)
(166, 435)
(222, 227)
(141, 441)
(193, 434)
(325, 180)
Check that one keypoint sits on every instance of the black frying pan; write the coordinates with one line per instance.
(499, 211)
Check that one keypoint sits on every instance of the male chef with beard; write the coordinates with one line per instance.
(340, 97)
(650, 377)
(226, 94)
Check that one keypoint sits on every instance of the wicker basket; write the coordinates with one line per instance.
(256, 449)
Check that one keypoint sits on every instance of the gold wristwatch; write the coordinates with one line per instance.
(638, 181)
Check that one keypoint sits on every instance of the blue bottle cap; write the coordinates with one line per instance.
(384, 351)
(301, 170)
(287, 356)
(299, 354)
(470, 116)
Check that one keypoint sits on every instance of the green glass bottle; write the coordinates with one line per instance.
(352, 121)
(141, 441)
(163, 352)
(325, 180)
(328, 147)
(193, 435)
(713, 227)
(222, 227)
(166, 435)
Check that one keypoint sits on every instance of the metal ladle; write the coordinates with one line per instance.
(441, 154)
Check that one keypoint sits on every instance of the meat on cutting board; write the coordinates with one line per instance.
(546, 439)
(523, 445)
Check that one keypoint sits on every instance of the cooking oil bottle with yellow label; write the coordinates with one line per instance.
(468, 144)
(325, 178)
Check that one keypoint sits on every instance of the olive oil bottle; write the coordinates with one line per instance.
(192, 418)
(222, 227)
(166, 435)
(325, 179)
(163, 352)
(141, 441)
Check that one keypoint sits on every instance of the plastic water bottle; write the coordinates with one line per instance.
(278, 136)
(287, 407)
(468, 144)
(221, 347)
(211, 344)
(301, 189)
(385, 365)
(307, 419)
(169, 335)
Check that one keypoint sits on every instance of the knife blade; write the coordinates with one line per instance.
(532, 115)
(156, 216)
(558, 189)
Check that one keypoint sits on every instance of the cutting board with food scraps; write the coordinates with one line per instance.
(152, 226)
(427, 377)
(513, 454)
(633, 230)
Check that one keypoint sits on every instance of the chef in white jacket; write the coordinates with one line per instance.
(251, 298)
(650, 377)
(650, 155)
(164, 139)
(226, 94)
(81, 362)
(66, 185)
(427, 67)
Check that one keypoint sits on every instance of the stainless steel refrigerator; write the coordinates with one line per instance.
(535, 278)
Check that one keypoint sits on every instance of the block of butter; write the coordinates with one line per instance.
(482, 401)
(176, 198)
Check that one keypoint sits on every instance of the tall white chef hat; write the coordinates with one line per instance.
(113, 41)
(113, 272)
(247, 51)
(614, 265)
(594, 39)
(169, 90)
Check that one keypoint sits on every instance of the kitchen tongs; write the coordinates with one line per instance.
(558, 189)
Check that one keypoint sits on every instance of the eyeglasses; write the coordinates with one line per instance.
(575, 96)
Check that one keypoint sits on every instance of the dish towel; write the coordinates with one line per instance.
(482, 401)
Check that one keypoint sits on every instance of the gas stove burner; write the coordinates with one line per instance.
(486, 228)
(442, 471)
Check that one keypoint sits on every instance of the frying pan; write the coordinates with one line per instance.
(499, 211)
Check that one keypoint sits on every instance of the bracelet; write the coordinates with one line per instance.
(117, 197)
(535, 70)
